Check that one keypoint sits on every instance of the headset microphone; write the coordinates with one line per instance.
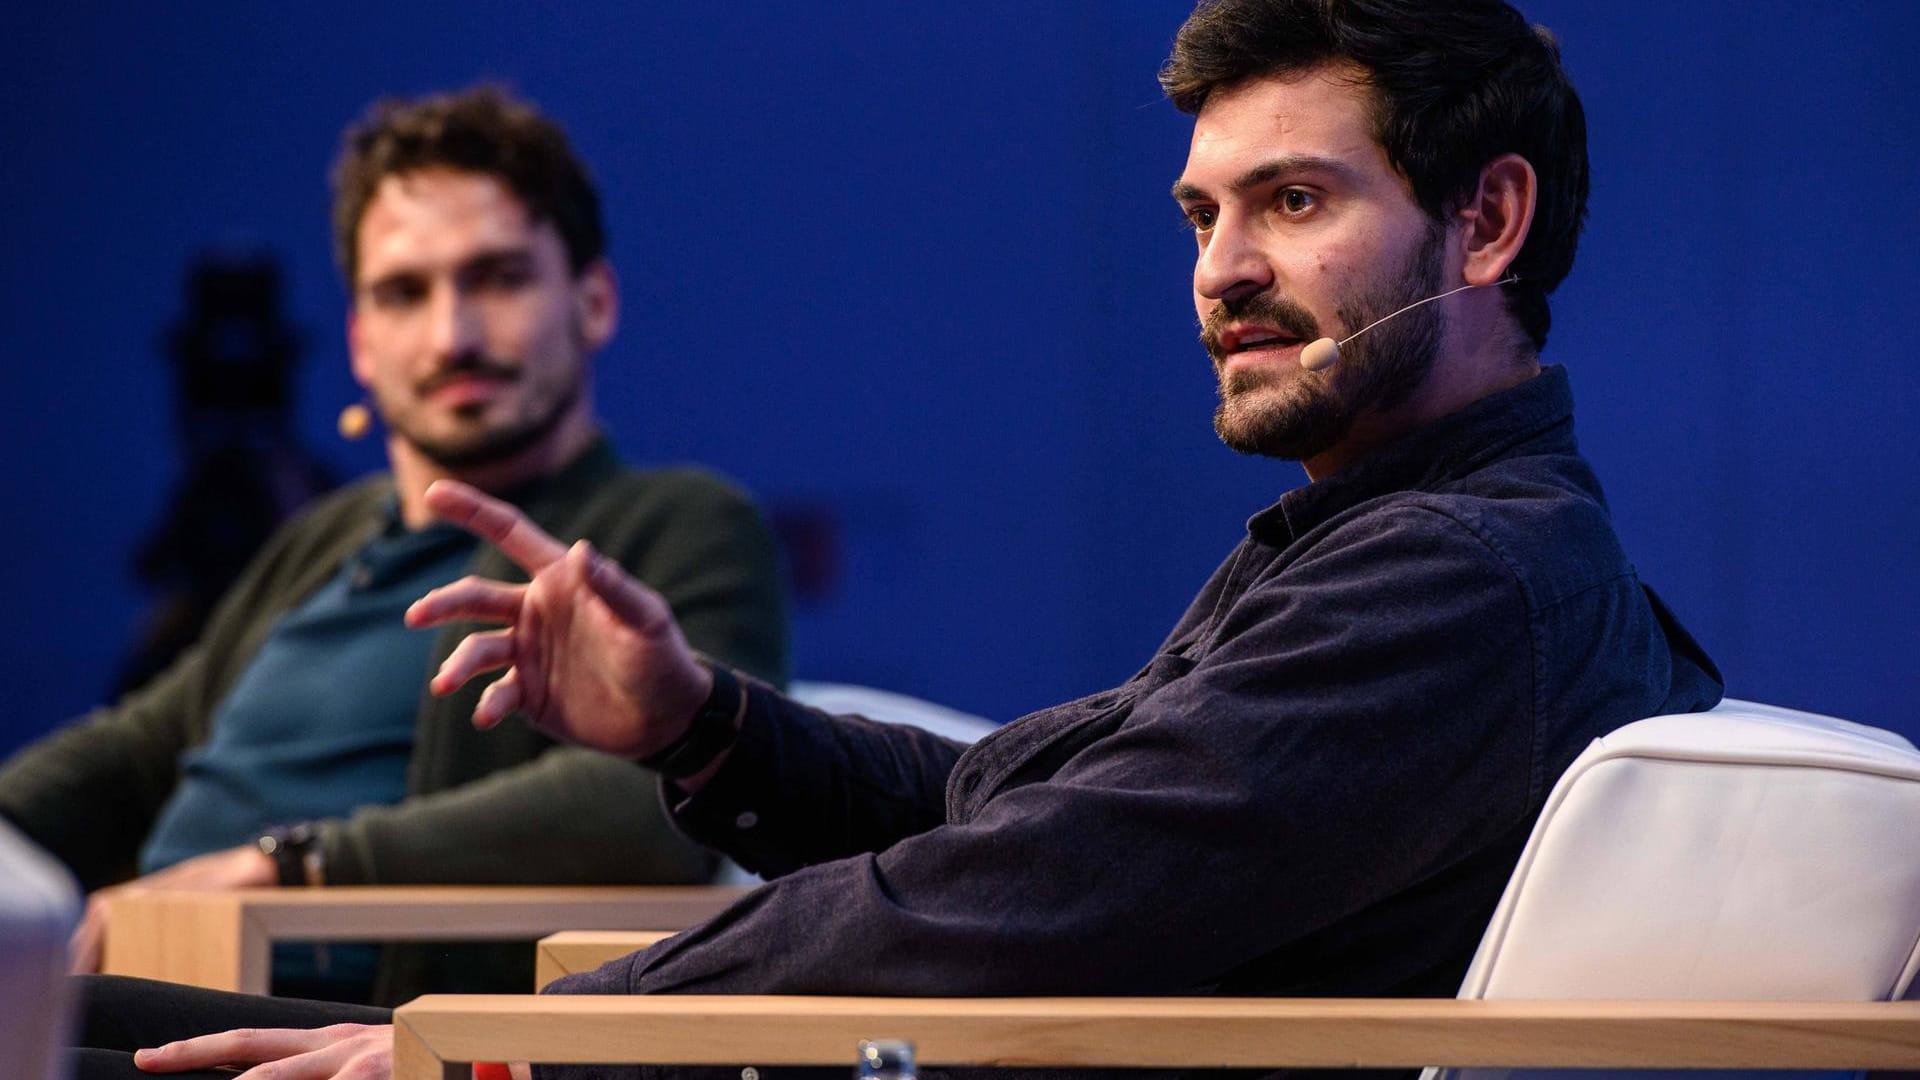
(1322, 353)
(355, 421)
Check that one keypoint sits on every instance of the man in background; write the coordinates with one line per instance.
(296, 744)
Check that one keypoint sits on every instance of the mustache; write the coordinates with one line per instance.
(1277, 311)
(465, 366)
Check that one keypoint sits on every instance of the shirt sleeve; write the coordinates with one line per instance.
(1291, 778)
(801, 787)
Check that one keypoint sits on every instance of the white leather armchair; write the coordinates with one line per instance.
(1750, 853)
(891, 708)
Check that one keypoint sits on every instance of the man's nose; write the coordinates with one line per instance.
(453, 325)
(1230, 264)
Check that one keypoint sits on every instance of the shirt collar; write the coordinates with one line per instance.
(1454, 445)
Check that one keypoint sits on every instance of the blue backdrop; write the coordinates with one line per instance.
(914, 267)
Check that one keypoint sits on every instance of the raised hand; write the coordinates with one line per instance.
(591, 656)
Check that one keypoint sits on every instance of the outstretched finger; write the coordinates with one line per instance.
(635, 604)
(497, 700)
(471, 598)
(479, 653)
(496, 522)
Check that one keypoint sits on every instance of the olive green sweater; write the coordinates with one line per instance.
(506, 806)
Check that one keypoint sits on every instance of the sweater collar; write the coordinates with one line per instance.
(539, 498)
(542, 495)
(1540, 409)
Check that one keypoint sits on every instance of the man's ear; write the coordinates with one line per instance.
(1497, 218)
(361, 367)
(596, 302)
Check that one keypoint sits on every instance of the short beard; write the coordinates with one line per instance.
(501, 445)
(1299, 415)
(456, 453)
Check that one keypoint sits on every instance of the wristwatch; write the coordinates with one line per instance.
(708, 736)
(296, 854)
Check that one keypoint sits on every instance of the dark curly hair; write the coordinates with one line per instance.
(1456, 83)
(481, 130)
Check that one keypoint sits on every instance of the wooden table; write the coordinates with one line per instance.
(435, 1033)
(571, 951)
(224, 940)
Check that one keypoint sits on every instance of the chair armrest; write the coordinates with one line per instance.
(223, 940)
(572, 951)
(435, 1030)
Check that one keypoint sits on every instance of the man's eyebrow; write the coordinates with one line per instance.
(495, 256)
(485, 259)
(1267, 171)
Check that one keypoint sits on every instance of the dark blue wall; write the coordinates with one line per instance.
(916, 265)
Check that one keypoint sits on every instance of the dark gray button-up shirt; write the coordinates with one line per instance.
(1318, 786)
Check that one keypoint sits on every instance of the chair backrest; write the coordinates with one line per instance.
(39, 908)
(1747, 853)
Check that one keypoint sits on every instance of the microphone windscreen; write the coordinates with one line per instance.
(1319, 354)
(355, 420)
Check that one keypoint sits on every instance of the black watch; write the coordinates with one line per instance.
(296, 854)
(708, 736)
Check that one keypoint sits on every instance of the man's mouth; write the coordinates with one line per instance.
(466, 386)
(1246, 340)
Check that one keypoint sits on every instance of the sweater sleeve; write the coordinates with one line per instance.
(569, 816)
(90, 791)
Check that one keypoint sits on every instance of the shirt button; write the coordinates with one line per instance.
(747, 820)
(362, 576)
(749, 1073)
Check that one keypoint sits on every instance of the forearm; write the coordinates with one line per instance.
(571, 816)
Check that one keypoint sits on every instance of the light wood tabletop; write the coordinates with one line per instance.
(224, 940)
(436, 1031)
(571, 951)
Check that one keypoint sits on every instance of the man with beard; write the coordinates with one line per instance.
(1320, 783)
(296, 743)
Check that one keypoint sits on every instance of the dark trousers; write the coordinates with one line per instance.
(119, 1015)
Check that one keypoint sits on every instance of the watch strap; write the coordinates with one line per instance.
(710, 734)
(296, 853)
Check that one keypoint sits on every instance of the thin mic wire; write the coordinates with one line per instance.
(1508, 280)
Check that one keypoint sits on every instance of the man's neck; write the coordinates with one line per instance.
(1451, 386)
(414, 471)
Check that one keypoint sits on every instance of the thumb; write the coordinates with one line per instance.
(88, 942)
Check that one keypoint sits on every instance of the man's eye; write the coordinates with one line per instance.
(397, 294)
(1296, 201)
(504, 278)
(1202, 217)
